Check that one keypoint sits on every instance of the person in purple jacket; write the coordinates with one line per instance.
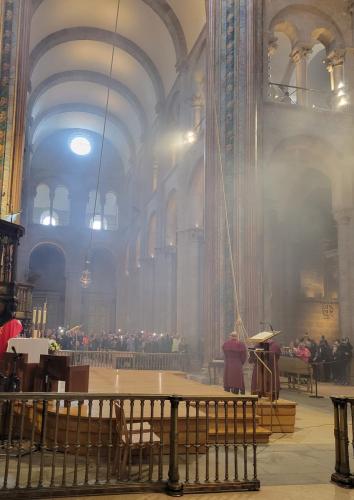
(235, 353)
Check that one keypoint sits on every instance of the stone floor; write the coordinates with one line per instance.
(293, 466)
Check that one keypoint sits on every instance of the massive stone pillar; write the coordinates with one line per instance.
(344, 219)
(188, 286)
(234, 106)
(15, 16)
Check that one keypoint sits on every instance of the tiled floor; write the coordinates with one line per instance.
(293, 466)
(308, 492)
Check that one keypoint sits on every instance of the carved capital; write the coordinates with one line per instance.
(272, 45)
(300, 52)
(343, 216)
(335, 58)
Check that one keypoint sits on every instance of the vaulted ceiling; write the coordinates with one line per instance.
(70, 57)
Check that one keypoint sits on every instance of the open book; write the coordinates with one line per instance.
(263, 337)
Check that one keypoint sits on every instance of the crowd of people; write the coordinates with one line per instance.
(332, 361)
(121, 341)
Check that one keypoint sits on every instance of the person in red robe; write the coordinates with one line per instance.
(264, 383)
(9, 326)
(235, 353)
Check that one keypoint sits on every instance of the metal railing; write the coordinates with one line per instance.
(342, 421)
(300, 96)
(76, 444)
(129, 360)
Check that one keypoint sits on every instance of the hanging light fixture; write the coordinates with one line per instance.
(86, 278)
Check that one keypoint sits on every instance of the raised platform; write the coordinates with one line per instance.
(278, 416)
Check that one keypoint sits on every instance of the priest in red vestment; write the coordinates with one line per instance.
(9, 326)
(235, 353)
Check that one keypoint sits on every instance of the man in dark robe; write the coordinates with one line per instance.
(235, 353)
(265, 376)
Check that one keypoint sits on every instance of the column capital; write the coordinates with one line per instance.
(272, 44)
(343, 216)
(335, 58)
(300, 52)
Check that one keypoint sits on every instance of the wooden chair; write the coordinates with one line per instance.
(137, 436)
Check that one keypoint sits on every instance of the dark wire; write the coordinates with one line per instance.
(104, 127)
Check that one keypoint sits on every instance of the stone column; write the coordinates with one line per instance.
(188, 289)
(78, 203)
(344, 219)
(15, 18)
(335, 68)
(299, 57)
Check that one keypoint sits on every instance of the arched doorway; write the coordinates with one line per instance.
(99, 299)
(47, 274)
(301, 244)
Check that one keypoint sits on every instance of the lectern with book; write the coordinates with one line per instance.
(265, 377)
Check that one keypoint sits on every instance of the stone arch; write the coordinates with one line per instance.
(170, 20)
(105, 36)
(47, 273)
(86, 108)
(290, 21)
(92, 77)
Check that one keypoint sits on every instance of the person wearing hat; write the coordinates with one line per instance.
(235, 353)
(9, 326)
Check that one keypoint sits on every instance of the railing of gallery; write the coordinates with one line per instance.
(129, 360)
(343, 423)
(289, 94)
(76, 444)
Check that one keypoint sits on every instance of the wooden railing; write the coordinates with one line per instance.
(129, 360)
(83, 444)
(343, 418)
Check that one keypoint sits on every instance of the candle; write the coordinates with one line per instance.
(45, 314)
(34, 317)
(39, 319)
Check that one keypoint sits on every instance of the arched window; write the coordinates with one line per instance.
(41, 202)
(97, 223)
(171, 221)
(111, 211)
(49, 219)
(152, 236)
(61, 205)
(93, 214)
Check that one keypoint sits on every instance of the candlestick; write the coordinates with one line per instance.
(34, 317)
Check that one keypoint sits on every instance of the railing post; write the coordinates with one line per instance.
(342, 469)
(174, 487)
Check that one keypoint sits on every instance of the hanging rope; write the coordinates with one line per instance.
(104, 127)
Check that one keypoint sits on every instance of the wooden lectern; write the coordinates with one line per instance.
(265, 371)
(53, 369)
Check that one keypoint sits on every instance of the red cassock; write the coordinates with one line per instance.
(8, 331)
(235, 353)
(262, 382)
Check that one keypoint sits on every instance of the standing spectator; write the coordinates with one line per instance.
(336, 361)
(346, 352)
(324, 356)
(175, 343)
(303, 353)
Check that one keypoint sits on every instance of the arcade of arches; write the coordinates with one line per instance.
(135, 144)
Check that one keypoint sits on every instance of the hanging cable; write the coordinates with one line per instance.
(86, 275)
